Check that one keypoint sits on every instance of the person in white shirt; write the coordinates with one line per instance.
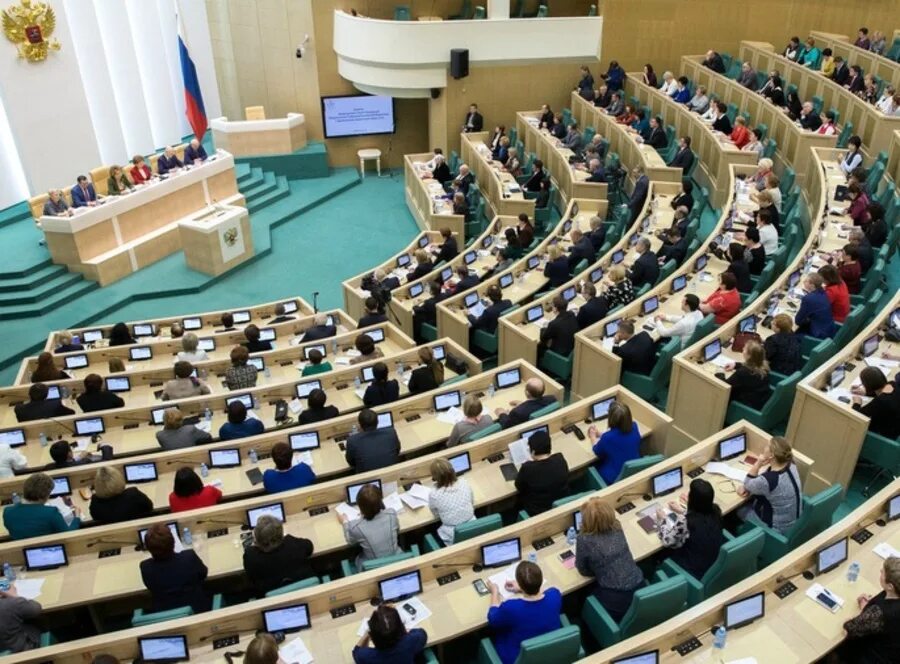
(434, 161)
(451, 501)
(768, 234)
(711, 114)
(190, 353)
(683, 326)
(669, 84)
(885, 103)
(853, 159)
(11, 460)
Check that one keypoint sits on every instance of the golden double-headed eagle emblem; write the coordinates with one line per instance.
(29, 25)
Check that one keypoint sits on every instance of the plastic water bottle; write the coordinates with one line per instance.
(186, 538)
(401, 369)
(9, 572)
(354, 430)
(853, 572)
(254, 457)
(43, 438)
(571, 536)
(334, 347)
(357, 382)
(204, 470)
(207, 413)
(491, 390)
(267, 372)
(255, 401)
(532, 557)
(719, 638)
(16, 499)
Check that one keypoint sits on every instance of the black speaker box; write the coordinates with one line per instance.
(459, 62)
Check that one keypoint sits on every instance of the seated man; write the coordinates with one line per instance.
(462, 181)
(538, 175)
(280, 316)
(316, 410)
(674, 247)
(594, 308)
(96, 398)
(637, 351)
(56, 205)
(238, 424)
(714, 61)
(168, 161)
(227, 322)
(597, 235)
(427, 311)
(286, 476)
(597, 173)
(83, 194)
(194, 153)
(320, 329)
(747, 77)
(253, 344)
(488, 319)
(372, 448)
(521, 411)
(559, 335)
(582, 249)
(449, 249)
(645, 269)
(465, 279)
(573, 138)
(39, 407)
(684, 158)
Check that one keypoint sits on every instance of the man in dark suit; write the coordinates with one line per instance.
(714, 61)
(534, 390)
(194, 153)
(168, 161)
(488, 320)
(462, 181)
(597, 235)
(39, 407)
(681, 220)
(674, 247)
(253, 344)
(597, 174)
(449, 249)
(581, 249)
(465, 279)
(372, 448)
(96, 398)
(227, 322)
(657, 137)
(645, 269)
(559, 335)
(373, 315)
(809, 119)
(538, 175)
(384, 281)
(684, 158)
(594, 308)
(320, 329)
(280, 315)
(83, 194)
(639, 193)
(316, 410)
(841, 70)
(637, 351)
(427, 311)
(546, 117)
(474, 121)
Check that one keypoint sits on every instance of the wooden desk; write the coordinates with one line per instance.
(878, 65)
(210, 321)
(425, 198)
(128, 232)
(216, 240)
(500, 189)
(794, 629)
(818, 417)
(256, 137)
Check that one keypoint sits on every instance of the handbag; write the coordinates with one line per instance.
(741, 339)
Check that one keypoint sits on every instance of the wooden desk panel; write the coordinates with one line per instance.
(495, 183)
(425, 198)
(842, 45)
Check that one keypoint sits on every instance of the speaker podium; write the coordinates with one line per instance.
(216, 239)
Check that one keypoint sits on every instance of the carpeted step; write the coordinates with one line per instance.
(17, 274)
(14, 214)
(64, 293)
(279, 191)
(267, 185)
(23, 284)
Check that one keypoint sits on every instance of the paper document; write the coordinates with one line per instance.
(361, 391)
(352, 352)
(251, 415)
(342, 361)
(392, 501)
(722, 361)
(451, 416)
(81, 444)
(519, 452)
(63, 509)
(882, 363)
(420, 491)
(608, 344)
(204, 425)
(295, 652)
(348, 511)
(28, 588)
(839, 392)
(305, 457)
(218, 484)
(500, 578)
(416, 497)
(817, 589)
(477, 309)
(295, 406)
(886, 551)
(720, 468)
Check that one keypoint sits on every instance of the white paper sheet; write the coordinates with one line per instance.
(500, 578)
(204, 425)
(28, 588)
(722, 361)
(817, 588)
(720, 468)
(348, 511)
(342, 361)
(886, 551)
(295, 406)
(451, 416)
(361, 392)
(477, 309)
(63, 509)
(519, 452)
(882, 363)
(305, 457)
(393, 502)
(295, 652)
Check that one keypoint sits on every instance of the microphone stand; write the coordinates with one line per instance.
(315, 302)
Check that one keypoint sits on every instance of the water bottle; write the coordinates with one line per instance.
(207, 413)
(356, 383)
(16, 499)
(334, 347)
(401, 368)
(254, 457)
(532, 557)
(255, 401)
(694, 284)
(43, 438)
(719, 638)
(491, 390)
(204, 470)
(186, 538)
(570, 536)
(9, 572)
(267, 372)
(354, 430)
(853, 572)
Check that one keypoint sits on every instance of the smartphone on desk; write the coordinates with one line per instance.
(481, 587)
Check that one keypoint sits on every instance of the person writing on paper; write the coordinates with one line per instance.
(750, 379)
(451, 501)
(695, 534)
(776, 493)
(366, 348)
(276, 559)
(176, 435)
(883, 410)
(475, 420)
(316, 410)
(428, 375)
(372, 448)
(33, 517)
(184, 384)
(619, 444)
(782, 348)
(17, 632)
(286, 476)
(173, 579)
(391, 643)
(637, 351)
(488, 319)
(521, 411)
(239, 425)
(682, 326)
(189, 492)
(532, 612)
(874, 635)
(544, 479)
(381, 390)
(377, 528)
(113, 502)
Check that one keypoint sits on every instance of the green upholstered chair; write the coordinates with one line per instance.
(480, 13)
(298, 585)
(666, 270)
(561, 646)
(634, 467)
(543, 11)
(844, 135)
(774, 411)
(817, 103)
(428, 332)
(348, 568)
(651, 606)
(465, 12)
(648, 387)
(465, 531)
(592, 10)
(139, 618)
(546, 410)
(556, 364)
(882, 453)
(704, 327)
(483, 433)
(821, 352)
(738, 559)
(770, 148)
(402, 13)
(787, 180)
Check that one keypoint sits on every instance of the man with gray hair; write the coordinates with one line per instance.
(521, 411)
(747, 77)
(275, 559)
(321, 329)
(645, 269)
(597, 174)
(56, 205)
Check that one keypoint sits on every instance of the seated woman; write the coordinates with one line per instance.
(285, 476)
(113, 502)
(174, 579)
(239, 425)
(189, 493)
(556, 269)
(543, 197)
(620, 443)
(475, 420)
(739, 267)
(33, 517)
(184, 384)
(423, 266)
(543, 479)
(874, 635)
(513, 249)
(276, 559)
(441, 171)
(850, 269)
(754, 247)
(777, 499)
(46, 370)
(883, 410)
(189, 349)
(618, 287)
(141, 173)
(118, 183)
(316, 410)
(837, 293)
(429, 375)
(377, 529)
(120, 336)
(263, 649)
(241, 374)
(176, 435)
(750, 380)
(366, 348)
(602, 552)
(694, 535)
(316, 364)
(391, 643)
(515, 620)
(451, 501)
(783, 351)
(381, 390)
(725, 301)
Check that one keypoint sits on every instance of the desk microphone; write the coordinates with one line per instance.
(63, 425)
(224, 522)
(97, 542)
(188, 461)
(808, 574)
(645, 496)
(476, 567)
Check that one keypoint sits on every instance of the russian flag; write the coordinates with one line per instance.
(193, 98)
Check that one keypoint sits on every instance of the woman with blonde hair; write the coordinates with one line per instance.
(189, 352)
(557, 267)
(176, 435)
(872, 636)
(602, 552)
(118, 183)
(423, 265)
(619, 289)
(750, 380)
(776, 493)
(113, 502)
(276, 559)
(475, 420)
(451, 501)
(429, 375)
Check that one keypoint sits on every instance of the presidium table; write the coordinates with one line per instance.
(123, 234)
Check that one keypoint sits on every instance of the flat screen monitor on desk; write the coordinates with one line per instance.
(206, 343)
(318, 347)
(160, 649)
(257, 362)
(506, 280)
(894, 508)
(367, 374)
(275, 510)
(447, 400)
(140, 353)
(267, 334)
(118, 384)
(569, 294)
(245, 399)
(534, 313)
(140, 472)
(461, 463)
(650, 305)
(745, 611)
(438, 352)
(191, 323)
(90, 426)
(45, 557)
(712, 350)
(416, 290)
(290, 306)
(300, 442)
(678, 283)
(400, 587)
(76, 361)
(385, 420)
(610, 329)
(353, 490)
(303, 390)
(224, 458)
(12, 437)
(870, 345)
(732, 446)
(501, 553)
(143, 330)
(61, 487)
(508, 378)
(287, 619)
(650, 657)
(376, 335)
(600, 409)
(92, 336)
(829, 557)
(666, 482)
(241, 316)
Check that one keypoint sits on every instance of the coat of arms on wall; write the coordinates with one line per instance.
(29, 25)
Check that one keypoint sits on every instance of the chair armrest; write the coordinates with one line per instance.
(523, 516)
(414, 549)
(728, 536)
(429, 657)
(601, 624)
(217, 602)
(594, 480)
(431, 543)
(347, 568)
(325, 578)
(675, 569)
(660, 575)
(487, 654)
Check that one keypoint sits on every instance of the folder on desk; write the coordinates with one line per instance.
(509, 472)
(477, 309)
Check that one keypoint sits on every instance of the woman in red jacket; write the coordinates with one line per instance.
(190, 494)
(837, 293)
(740, 135)
(725, 301)
(141, 173)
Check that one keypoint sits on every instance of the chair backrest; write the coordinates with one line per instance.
(635, 466)
(560, 646)
(817, 355)
(255, 113)
(483, 433)
(477, 527)
(543, 11)
(654, 604)
(667, 353)
(99, 178)
(844, 136)
(546, 410)
(36, 203)
(139, 619)
(816, 516)
(737, 560)
(592, 10)
(787, 179)
(376, 563)
(666, 270)
(817, 103)
(588, 135)
(296, 585)
(779, 404)
(704, 327)
(770, 148)
(402, 13)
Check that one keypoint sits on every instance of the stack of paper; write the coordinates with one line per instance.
(608, 343)
(519, 452)
(295, 406)
(719, 468)
(392, 501)
(722, 361)
(28, 588)
(360, 391)
(451, 416)
(417, 496)
(477, 309)
(295, 652)
(63, 509)
(348, 511)
(305, 457)
(882, 363)
(204, 425)
(886, 551)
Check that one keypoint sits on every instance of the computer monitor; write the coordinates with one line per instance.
(385, 421)
(308, 440)
(470, 257)
(794, 279)
(678, 283)
(712, 350)
(461, 463)
(353, 490)
(487, 242)
(610, 329)
(275, 510)
(140, 353)
(89, 426)
(471, 300)
(600, 409)
(242, 316)
(76, 361)
(633, 239)
(303, 390)
(534, 313)
(446, 273)
(12, 437)
(618, 256)
(267, 334)
(415, 290)
(53, 392)
(533, 262)
(567, 226)
(732, 446)
(246, 399)
(157, 415)
(700, 263)
(747, 324)
(423, 242)
(501, 553)
(45, 557)
(61, 487)
(118, 384)
(287, 619)
(870, 345)
(650, 305)
(667, 481)
(92, 336)
(172, 526)
(570, 293)
(400, 587)
(191, 324)
(745, 611)
(447, 400)
(169, 648)
(367, 374)
(136, 473)
(506, 280)
(528, 434)
(508, 378)
(836, 377)
(290, 306)
(143, 330)
(229, 458)
(596, 275)
(577, 518)
(403, 260)
(257, 362)
(318, 347)
(439, 352)
(376, 335)
(894, 507)
(829, 557)
(206, 343)
(649, 657)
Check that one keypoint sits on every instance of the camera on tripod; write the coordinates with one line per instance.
(381, 294)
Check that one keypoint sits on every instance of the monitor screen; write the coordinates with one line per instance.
(667, 481)
(329, 320)
(470, 257)
(577, 518)
(12, 437)
(143, 330)
(894, 507)
(836, 377)
(140, 472)
(650, 657)
(600, 409)
(385, 421)
(446, 273)
(596, 275)
(287, 619)
(678, 283)
(533, 262)
(447, 400)
(700, 263)
(438, 352)
(357, 115)
(398, 587)
(793, 280)
(290, 306)
(241, 316)
(423, 242)
(634, 239)
(76, 361)
(157, 415)
(506, 280)
(416, 290)
(257, 362)
(487, 242)
(712, 350)
(528, 434)
(367, 374)
(275, 510)
(171, 648)
(745, 611)
(92, 336)
(140, 353)
(403, 261)
(206, 343)
(618, 257)
(353, 490)
(610, 329)
(534, 313)
(53, 392)
(303, 389)
(267, 334)
(650, 305)
(245, 399)
(191, 323)
(461, 463)
(570, 293)
(747, 324)
(308, 440)
(61, 487)
(831, 556)
(501, 553)
(733, 446)
(376, 335)
(508, 378)
(173, 528)
(470, 300)
(318, 347)
(870, 345)
(224, 458)
(118, 383)
(45, 557)
(89, 426)
(567, 226)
